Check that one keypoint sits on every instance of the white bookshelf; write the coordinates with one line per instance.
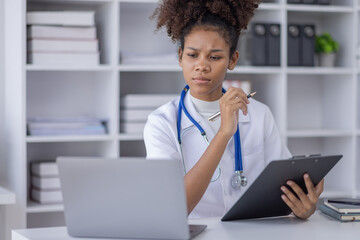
(317, 109)
(6, 197)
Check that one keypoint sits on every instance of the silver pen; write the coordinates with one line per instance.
(215, 116)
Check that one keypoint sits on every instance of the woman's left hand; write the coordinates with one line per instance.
(303, 205)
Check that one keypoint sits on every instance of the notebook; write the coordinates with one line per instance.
(124, 198)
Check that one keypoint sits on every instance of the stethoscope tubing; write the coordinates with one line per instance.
(237, 142)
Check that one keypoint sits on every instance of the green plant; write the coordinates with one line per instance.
(326, 44)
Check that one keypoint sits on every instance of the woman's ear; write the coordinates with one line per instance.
(233, 60)
(180, 53)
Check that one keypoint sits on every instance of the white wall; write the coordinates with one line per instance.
(2, 162)
(2, 155)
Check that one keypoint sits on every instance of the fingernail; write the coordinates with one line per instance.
(283, 197)
(288, 182)
(283, 188)
(306, 175)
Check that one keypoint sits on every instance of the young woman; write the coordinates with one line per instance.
(212, 152)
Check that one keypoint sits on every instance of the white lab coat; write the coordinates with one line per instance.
(260, 143)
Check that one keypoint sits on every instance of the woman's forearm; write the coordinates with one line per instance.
(198, 178)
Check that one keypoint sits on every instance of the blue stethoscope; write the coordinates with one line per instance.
(237, 180)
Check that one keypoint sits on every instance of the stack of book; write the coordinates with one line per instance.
(153, 58)
(62, 38)
(66, 126)
(342, 209)
(45, 182)
(135, 109)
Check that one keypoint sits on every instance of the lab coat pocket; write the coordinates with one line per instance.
(253, 164)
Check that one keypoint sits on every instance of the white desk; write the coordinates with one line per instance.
(318, 226)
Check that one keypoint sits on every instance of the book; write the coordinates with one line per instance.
(343, 205)
(132, 127)
(60, 32)
(66, 18)
(136, 115)
(45, 183)
(344, 217)
(46, 196)
(152, 58)
(145, 101)
(65, 46)
(63, 59)
(44, 168)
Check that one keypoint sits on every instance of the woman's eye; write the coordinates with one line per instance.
(215, 57)
(192, 55)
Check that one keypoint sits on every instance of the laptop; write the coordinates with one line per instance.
(125, 198)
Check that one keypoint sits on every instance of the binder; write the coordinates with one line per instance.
(258, 46)
(293, 47)
(273, 48)
(308, 1)
(308, 45)
(323, 2)
(293, 1)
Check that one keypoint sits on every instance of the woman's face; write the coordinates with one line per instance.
(205, 60)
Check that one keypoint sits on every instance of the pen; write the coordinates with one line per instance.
(344, 202)
(215, 116)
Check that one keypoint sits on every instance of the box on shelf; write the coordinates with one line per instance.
(60, 32)
(66, 126)
(245, 85)
(145, 101)
(66, 18)
(46, 196)
(54, 45)
(44, 168)
(130, 127)
(46, 183)
(62, 45)
(135, 109)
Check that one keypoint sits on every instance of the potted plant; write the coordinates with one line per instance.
(326, 47)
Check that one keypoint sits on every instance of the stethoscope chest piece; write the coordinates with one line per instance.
(238, 180)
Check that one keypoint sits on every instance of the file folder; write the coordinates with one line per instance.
(258, 46)
(273, 47)
(308, 45)
(293, 45)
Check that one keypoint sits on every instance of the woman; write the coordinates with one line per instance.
(208, 32)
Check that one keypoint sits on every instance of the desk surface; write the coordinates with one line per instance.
(319, 226)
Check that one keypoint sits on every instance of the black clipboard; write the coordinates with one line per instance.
(263, 197)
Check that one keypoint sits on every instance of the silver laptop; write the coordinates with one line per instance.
(125, 198)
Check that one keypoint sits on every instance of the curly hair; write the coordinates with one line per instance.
(227, 17)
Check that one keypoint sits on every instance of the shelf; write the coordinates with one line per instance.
(269, 6)
(6, 197)
(131, 136)
(99, 68)
(256, 70)
(149, 68)
(34, 207)
(318, 133)
(319, 8)
(85, 138)
(318, 70)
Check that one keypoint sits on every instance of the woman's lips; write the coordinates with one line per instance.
(201, 80)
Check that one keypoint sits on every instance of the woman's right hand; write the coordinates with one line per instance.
(231, 102)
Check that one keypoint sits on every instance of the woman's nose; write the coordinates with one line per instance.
(202, 65)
